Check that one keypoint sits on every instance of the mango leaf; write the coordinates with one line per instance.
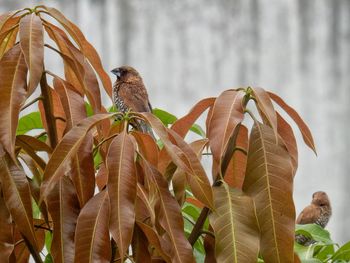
(9, 41)
(32, 45)
(235, 172)
(6, 232)
(29, 122)
(8, 33)
(226, 115)
(235, 226)
(73, 104)
(196, 177)
(140, 245)
(169, 217)
(265, 107)
(304, 129)
(66, 149)
(168, 118)
(314, 231)
(82, 173)
(34, 143)
(13, 75)
(16, 193)
(121, 188)
(92, 242)
(287, 135)
(87, 49)
(58, 114)
(155, 240)
(269, 181)
(182, 125)
(343, 253)
(63, 206)
(209, 246)
(147, 146)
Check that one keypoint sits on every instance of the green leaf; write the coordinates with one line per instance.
(48, 259)
(29, 122)
(314, 231)
(191, 211)
(89, 110)
(166, 117)
(342, 253)
(48, 240)
(198, 129)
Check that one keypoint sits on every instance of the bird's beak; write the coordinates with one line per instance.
(116, 72)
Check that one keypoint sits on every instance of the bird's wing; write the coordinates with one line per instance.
(135, 96)
(309, 215)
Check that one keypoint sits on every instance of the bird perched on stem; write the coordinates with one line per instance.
(130, 94)
(318, 212)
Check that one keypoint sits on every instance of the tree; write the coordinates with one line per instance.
(154, 196)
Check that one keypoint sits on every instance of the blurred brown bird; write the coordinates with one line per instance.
(318, 212)
(130, 94)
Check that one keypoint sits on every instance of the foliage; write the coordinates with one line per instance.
(154, 196)
(323, 249)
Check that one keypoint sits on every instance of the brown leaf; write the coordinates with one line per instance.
(31, 152)
(145, 201)
(63, 206)
(227, 114)
(102, 176)
(121, 188)
(83, 172)
(269, 181)
(140, 249)
(32, 45)
(13, 75)
(182, 125)
(73, 104)
(16, 193)
(209, 246)
(155, 240)
(304, 129)
(92, 242)
(235, 173)
(67, 147)
(287, 135)
(147, 146)
(58, 114)
(196, 176)
(264, 104)
(9, 41)
(179, 186)
(235, 226)
(179, 177)
(8, 33)
(34, 143)
(6, 232)
(170, 218)
(73, 65)
(87, 49)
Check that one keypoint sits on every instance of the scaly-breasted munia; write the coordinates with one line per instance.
(130, 94)
(318, 212)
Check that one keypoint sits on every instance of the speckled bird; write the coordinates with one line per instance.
(318, 212)
(130, 94)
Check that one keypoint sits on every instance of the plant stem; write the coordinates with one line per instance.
(48, 107)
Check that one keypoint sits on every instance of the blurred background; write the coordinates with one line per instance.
(188, 50)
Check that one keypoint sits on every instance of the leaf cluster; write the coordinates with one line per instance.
(92, 189)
